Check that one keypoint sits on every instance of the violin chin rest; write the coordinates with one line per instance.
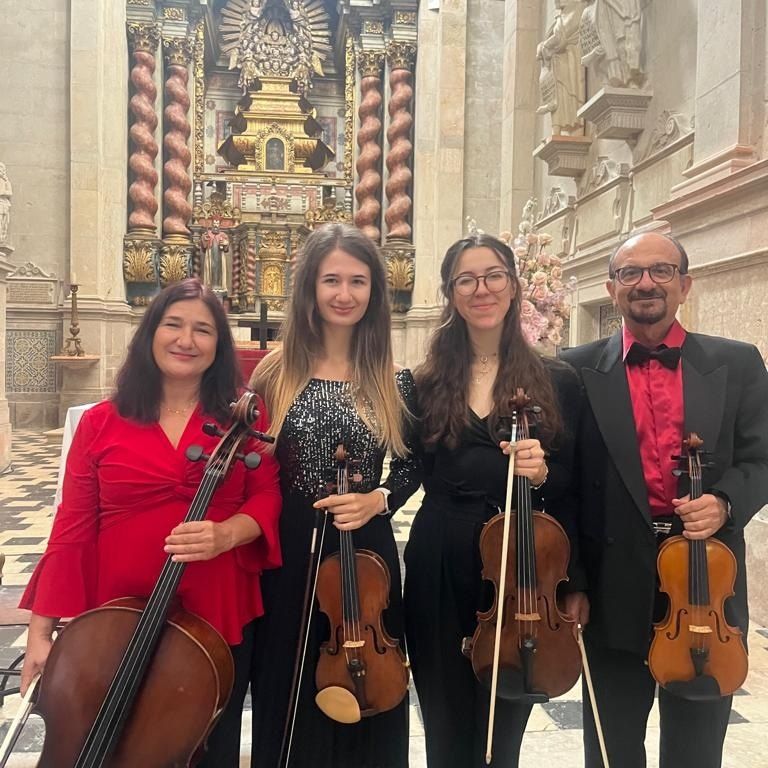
(339, 704)
(701, 688)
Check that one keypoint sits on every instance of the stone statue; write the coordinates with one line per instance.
(528, 217)
(215, 245)
(562, 74)
(611, 41)
(6, 192)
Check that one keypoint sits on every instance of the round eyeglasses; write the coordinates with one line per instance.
(659, 273)
(495, 282)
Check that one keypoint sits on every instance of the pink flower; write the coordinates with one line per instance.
(556, 273)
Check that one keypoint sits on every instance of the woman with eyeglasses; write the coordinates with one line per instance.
(476, 360)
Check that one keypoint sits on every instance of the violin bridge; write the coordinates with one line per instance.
(700, 630)
(527, 617)
(354, 643)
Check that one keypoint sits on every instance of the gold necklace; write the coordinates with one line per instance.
(485, 366)
(180, 411)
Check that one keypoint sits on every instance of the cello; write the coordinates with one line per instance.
(695, 653)
(523, 648)
(362, 671)
(141, 682)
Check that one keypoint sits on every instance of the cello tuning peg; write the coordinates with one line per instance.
(213, 429)
(251, 460)
(261, 436)
(678, 458)
(195, 453)
(678, 472)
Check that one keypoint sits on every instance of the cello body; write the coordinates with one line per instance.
(186, 686)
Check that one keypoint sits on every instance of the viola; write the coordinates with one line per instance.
(362, 670)
(523, 648)
(141, 682)
(695, 653)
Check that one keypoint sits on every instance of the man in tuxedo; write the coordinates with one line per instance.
(647, 387)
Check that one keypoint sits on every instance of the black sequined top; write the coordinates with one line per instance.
(323, 416)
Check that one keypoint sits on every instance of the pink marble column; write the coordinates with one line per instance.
(176, 206)
(401, 57)
(143, 40)
(368, 188)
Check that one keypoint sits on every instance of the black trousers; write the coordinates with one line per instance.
(223, 748)
(692, 732)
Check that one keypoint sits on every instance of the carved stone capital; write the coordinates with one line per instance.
(370, 63)
(143, 36)
(617, 113)
(140, 259)
(178, 50)
(401, 55)
(175, 262)
(564, 155)
(401, 271)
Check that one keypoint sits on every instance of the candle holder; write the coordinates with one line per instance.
(72, 346)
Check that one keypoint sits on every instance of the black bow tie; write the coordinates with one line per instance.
(667, 356)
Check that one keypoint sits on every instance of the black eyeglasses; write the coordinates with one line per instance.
(659, 273)
(495, 282)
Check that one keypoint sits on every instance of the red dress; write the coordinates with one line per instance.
(125, 488)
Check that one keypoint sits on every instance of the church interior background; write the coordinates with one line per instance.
(144, 141)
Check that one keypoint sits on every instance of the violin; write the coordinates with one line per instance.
(695, 653)
(362, 671)
(523, 648)
(141, 682)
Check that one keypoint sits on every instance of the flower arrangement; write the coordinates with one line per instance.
(546, 296)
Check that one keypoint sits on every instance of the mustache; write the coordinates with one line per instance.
(646, 295)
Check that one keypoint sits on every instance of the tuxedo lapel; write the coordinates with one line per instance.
(608, 392)
(704, 389)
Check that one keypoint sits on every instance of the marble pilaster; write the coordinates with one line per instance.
(5, 423)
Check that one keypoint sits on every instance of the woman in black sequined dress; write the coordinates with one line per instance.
(333, 380)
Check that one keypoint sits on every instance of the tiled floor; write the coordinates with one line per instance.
(553, 734)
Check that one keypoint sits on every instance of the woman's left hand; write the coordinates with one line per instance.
(201, 540)
(529, 459)
(352, 510)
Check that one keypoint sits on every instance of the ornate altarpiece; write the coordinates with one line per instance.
(269, 123)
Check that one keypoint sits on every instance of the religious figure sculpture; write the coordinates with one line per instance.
(6, 192)
(215, 246)
(611, 41)
(562, 76)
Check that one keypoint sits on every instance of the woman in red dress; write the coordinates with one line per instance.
(128, 486)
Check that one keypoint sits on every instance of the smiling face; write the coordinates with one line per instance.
(184, 344)
(342, 289)
(648, 303)
(482, 309)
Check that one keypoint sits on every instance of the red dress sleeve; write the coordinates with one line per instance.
(263, 503)
(64, 582)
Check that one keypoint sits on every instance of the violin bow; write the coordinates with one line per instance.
(501, 597)
(592, 698)
(18, 721)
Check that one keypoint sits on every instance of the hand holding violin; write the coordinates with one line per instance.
(529, 459)
(352, 510)
(702, 517)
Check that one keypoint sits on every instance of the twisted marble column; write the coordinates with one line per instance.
(176, 206)
(143, 40)
(399, 157)
(368, 188)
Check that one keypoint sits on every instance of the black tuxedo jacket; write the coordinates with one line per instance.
(725, 390)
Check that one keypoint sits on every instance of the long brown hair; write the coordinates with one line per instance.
(285, 372)
(139, 383)
(442, 380)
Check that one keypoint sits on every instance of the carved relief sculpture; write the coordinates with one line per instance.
(611, 41)
(276, 38)
(368, 189)
(6, 193)
(562, 74)
(177, 209)
(143, 40)
(215, 244)
(401, 58)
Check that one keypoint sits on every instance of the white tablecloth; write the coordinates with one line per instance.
(70, 425)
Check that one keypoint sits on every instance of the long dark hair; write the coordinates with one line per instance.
(442, 380)
(286, 371)
(138, 388)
